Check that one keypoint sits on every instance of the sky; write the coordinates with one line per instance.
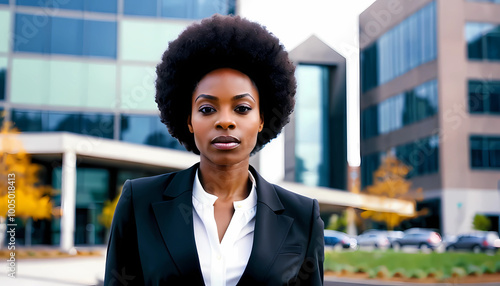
(335, 22)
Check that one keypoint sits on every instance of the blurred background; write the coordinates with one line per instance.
(396, 125)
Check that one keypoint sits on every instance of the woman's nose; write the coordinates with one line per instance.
(225, 121)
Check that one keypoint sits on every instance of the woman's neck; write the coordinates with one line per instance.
(228, 183)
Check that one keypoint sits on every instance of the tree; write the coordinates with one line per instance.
(22, 195)
(337, 222)
(481, 222)
(390, 182)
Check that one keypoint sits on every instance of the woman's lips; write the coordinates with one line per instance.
(225, 142)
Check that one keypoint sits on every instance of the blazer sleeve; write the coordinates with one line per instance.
(311, 272)
(123, 264)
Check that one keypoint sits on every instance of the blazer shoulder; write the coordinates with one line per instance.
(147, 186)
(295, 202)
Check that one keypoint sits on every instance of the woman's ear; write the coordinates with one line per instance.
(190, 127)
(261, 126)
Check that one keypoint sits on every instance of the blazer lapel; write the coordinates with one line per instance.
(174, 217)
(271, 229)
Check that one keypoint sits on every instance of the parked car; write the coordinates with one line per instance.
(391, 235)
(421, 238)
(486, 241)
(377, 239)
(338, 239)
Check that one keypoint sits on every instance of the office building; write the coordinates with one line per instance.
(430, 94)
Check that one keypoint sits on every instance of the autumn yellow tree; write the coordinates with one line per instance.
(106, 217)
(20, 186)
(389, 181)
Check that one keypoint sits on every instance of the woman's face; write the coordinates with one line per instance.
(225, 117)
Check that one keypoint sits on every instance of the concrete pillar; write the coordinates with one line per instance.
(68, 201)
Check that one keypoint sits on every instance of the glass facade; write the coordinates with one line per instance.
(108, 6)
(136, 33)
(186, 9)
(400, 110)
(66, 36)
(404, 47)
(92, 185)
(64, 83)
(422, 156)
(485, 152)
(93, 124)
(484, 97)
(4, 31)
(149, 130)
(311, 125)
(483, 41)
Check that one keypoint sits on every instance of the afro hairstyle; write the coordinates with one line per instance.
(225, 42)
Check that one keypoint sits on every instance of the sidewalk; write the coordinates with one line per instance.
(56, 271)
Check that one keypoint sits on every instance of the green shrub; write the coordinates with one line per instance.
(458, 272)
(474, 270)
(418, 273)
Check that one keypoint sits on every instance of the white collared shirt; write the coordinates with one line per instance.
(223, 264)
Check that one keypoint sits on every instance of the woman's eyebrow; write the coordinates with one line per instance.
(236, 97)
(207, 96)
(239, 96)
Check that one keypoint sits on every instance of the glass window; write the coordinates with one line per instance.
(4, 2)
(311, 128)
(108, 6)
(402, 48)
(486, 1)
(63, 121)
(137, 87)
(4, 31)
(147, 129)
(97, 124)
(100, 89)
(34, 72)
(140, 7)
(485, 152)
(483, 41)
(30, 37)
(157, 35)
(3, 76)
(66, 36)
(64, 83)
(100, 39)
(27, 120)
(484, 96)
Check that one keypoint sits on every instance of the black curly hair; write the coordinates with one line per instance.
(225, 42)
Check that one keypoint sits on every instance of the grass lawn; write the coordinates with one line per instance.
(416, 265)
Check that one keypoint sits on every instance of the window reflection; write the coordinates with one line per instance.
(108, 6)
(483, 41)
(311, 125)
(66, 36)
(3, 75)
(484, 96)
(400, 110)
(422, 156)
(186, 9)
(485, 152)
(147, 129)
(93, 124)
(404, 47)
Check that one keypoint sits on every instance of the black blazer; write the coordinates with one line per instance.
(152, 237)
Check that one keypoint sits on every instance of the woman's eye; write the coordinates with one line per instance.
(206, 109)
(243, 109)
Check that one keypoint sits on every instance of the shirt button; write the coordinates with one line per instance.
(238, 206)
(218, 257)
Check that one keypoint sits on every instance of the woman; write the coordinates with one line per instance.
(225, 88)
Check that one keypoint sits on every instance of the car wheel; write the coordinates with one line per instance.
(396, 246)
(476, 249)
(375, 245)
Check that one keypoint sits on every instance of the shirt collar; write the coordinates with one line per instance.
(208, 199)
